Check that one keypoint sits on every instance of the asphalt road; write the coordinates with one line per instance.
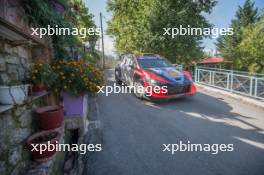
(132, 133)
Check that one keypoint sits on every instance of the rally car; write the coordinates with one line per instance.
(151, 70)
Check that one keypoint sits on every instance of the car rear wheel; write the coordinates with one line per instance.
(118, 81)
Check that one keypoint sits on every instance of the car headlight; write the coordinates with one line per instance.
(152, 81)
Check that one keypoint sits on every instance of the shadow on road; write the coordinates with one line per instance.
(218, 113)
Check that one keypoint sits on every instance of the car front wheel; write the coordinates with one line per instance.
(138, 86)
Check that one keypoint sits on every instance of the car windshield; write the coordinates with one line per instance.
(153, 63)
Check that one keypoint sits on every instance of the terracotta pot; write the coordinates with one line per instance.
(38, 89)
(49, 117)
(37, 143)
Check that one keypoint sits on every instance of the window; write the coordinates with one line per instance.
(153, 63)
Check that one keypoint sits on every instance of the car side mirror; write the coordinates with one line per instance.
(176, 66)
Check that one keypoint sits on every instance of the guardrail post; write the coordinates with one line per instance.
(251, 86)
(210, 78)
(198, 75)
(231, 81)
(256, 87)
(195, 76)
(227, 83)
(213, 78)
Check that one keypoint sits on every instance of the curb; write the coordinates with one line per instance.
(241, 98)
(93, 136)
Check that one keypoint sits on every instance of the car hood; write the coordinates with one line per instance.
(171, 74)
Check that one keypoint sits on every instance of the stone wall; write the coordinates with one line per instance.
(16, 125)
(14, 62)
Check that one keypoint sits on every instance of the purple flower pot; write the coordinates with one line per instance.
(74, 105)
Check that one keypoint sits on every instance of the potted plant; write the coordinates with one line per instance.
(13, 93)
(49, 139)
(75, 80)
(49, 117)
(42, 77)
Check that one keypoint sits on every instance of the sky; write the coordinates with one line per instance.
(221, 17)
(95, 7)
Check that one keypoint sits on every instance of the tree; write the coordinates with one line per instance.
(227, 45)
(129, 24)
(252, 47)
(173, 13)
(138, 26)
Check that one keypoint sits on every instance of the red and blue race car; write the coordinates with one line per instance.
(158, 78)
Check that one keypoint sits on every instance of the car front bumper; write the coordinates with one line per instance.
(174, 92)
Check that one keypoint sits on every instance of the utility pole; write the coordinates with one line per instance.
(102, 31)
